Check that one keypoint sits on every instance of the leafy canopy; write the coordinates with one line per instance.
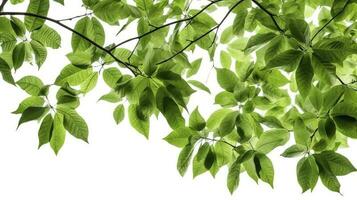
(283, 76)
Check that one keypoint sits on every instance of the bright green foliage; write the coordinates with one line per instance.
(282, 77)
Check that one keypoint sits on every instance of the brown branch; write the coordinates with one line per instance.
(134, 69)
(3, 3)
(203, 35)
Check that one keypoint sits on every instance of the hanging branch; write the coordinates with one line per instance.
(134, 69)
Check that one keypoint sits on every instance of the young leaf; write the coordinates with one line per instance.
(302, 135)
(184, 159)
(119, 114)
(32, 113)
(38, 7)
(304, 75)
(233, 176)
(30, 84)
(272, 139)
(18, 55)
(226, 79)
(45, 131)
(47, 36)
(142, 126)
(264, 168)
(58, 133)
(196, 121)
(294, 150)
(74, 123)
(307, 173)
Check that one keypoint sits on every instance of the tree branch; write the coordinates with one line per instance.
(75, 17)
(327, 23)
(134, 69)
(3, 3)
(166, 25)
(223, 141)
(270, 14)
(203, 35)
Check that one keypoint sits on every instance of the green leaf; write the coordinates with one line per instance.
(89, 83)
(111, 76)
(196, 121)
(180, 137)
(73, 75)
(233, 176)
(30, 84)
(195, 66)
(307, 173)
(294, 150)
(107, 10)
(33, 101)
(18, 55)
(40, 52)
(299, 29)
(226, 60)
(32, 113)
(74, 123)
(287, 58)
(45, 131)
(302, 135)
(337, 163)
(228, 123)
(199, 85)
(18, 26)
(38, 7)
(5, 71)
(119, 114)
(345, 116)
(226, 79)
(141, 125)
(225, 99)
(272, 139)
(58, 133)
(85, 27)
(184, 159)
(304, 75)
(264, 168)
(198, 163)
(47, 36)
(259, 39)
(169, 109)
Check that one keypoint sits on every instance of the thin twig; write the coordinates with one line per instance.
(215, 140)
(327, 23)
(75, 17)
(165, 25)
(270, 14)
(202, 36)
(3, 3)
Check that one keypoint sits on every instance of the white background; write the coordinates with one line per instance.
(119, 163)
